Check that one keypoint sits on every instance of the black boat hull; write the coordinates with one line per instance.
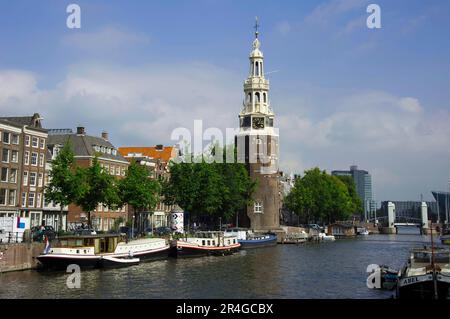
(187, 252)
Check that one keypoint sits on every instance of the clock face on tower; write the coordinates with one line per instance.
(258, 123)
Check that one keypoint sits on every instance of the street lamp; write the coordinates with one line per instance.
(132, 228)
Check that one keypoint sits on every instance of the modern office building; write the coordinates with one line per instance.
(363, 183)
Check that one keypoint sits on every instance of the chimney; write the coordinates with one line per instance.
(159, 147)
(81, 130)
(105, 135)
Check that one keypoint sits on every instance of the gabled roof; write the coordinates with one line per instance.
(83, 145)
(165, 154)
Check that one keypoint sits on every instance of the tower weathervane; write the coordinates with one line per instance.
(256, 27)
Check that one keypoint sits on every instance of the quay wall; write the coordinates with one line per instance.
(20, 256)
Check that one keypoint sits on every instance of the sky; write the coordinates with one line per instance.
(343, 94)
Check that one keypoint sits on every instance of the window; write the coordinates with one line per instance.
(12, 197)
(27, 158)
(42, 143)
(114, 152)
(118, 170)
(108, 151)
(27, 140)
(112, 170)
(5, 155)
(34, 141)
(40, 179)
(25, 178)
(32, 179)
(31, 200)
(14, 156)
(2, 197)
(4, 175)
(34, 159)
(6, 137)
(123, 171)
(15, 139)
(24, 199)
(258, 207)
(38, 200)
(13, 175)
(41, 160)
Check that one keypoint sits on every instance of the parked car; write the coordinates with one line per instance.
(37, 233)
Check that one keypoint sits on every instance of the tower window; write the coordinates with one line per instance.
(257, 68)
(258, 207)
(249, 98)
(265, 97)
(257, 97)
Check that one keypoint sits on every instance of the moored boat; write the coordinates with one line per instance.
(426, 275)
(205, 243)
(248, 239)
(88, 251)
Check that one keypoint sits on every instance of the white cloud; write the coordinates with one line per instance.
(406, 149)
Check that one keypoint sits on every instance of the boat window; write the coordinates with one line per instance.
(213, 242)
(78, 251)
(203, 242)
(209, 243)
(63, 243)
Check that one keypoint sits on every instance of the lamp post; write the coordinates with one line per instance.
(132, 228)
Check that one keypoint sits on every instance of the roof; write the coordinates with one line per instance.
(32, 122)
(165, 154)
(83, 145)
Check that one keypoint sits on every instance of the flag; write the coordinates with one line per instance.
(47, 246)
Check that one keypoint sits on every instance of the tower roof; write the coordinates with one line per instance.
(256, 53)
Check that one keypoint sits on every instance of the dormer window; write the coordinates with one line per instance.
(108, 150)
(103, 149)
(114, 152)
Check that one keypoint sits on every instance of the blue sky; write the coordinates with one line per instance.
(344, 94)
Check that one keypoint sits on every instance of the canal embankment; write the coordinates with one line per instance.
(19, 256)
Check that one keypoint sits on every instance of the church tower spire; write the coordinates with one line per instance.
(259, 139)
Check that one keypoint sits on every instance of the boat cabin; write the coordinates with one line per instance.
(211, 238)
(97, 244)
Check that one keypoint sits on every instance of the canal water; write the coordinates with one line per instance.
(326, 270)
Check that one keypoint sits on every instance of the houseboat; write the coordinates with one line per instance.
(205, 243)
(248, 239)
(426, 275)
(94, 251)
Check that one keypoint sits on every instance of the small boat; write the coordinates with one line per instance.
(389, 277)
(325, 237)
(362, 231)
(88, 251)
(114, 262)
(205, 243)
(248, 239)
(426, 275)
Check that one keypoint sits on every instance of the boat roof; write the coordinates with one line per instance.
(89, 236)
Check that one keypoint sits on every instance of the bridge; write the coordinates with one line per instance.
(391, 222)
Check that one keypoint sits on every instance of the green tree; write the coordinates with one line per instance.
(138, 190)
(205, 188)
(63, 187)
(319, 196)
(96, 186)
(357, 208)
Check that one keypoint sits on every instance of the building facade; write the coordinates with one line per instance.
(363, 183)
(85, 148)
(156, 159)
(24, 152)
(257, 145)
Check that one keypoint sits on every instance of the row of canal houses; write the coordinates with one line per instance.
(27, 150)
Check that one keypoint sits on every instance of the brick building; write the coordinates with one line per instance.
(157, 159)
(85, 147)
(23, 157)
